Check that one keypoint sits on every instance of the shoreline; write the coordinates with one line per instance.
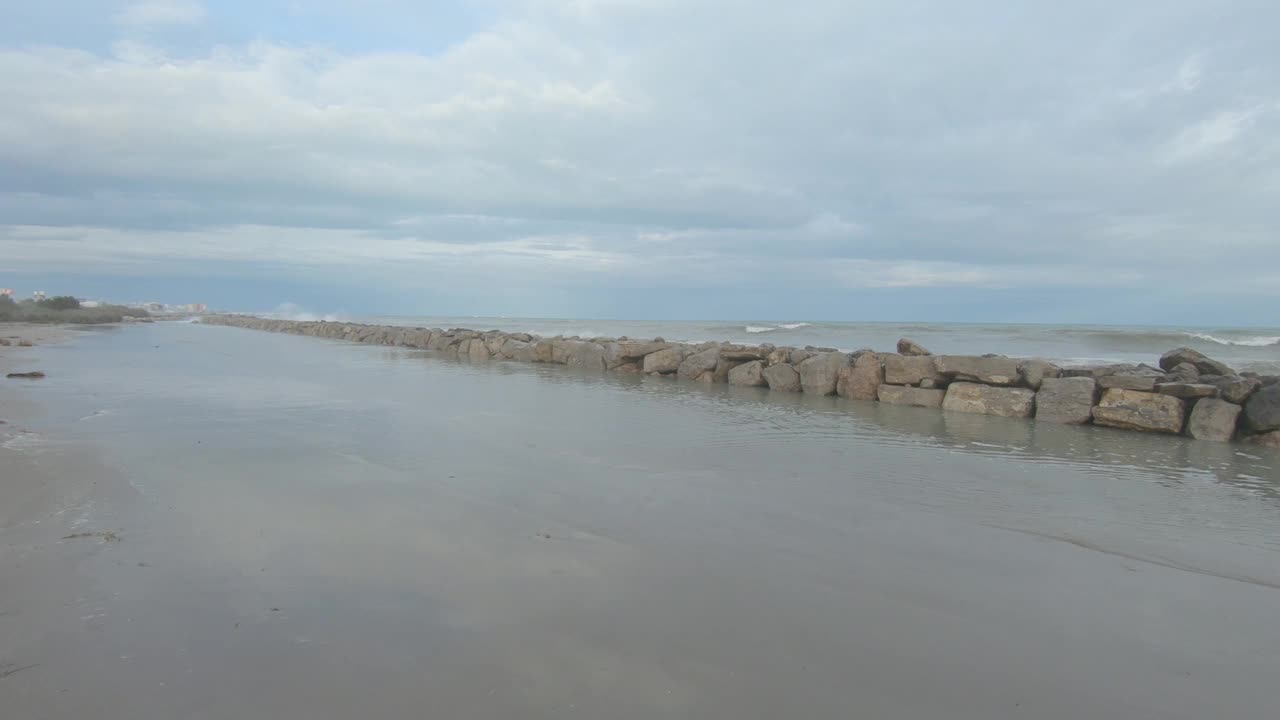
(1186, 393)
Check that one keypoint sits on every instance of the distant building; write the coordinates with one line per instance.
(6, 292)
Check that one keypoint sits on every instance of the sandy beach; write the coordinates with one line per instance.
(205, 522)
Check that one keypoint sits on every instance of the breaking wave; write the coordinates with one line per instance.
(291, 311)
(1254, 341)
(771, 328)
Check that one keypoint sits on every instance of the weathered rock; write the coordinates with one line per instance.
(782, 377)
(1034, 371)
(584, 354)
(1262, 411)
(993, 370)
(799, 356)
(1128, 382)
(494, 343)
(819, 374)
(543, 351)
(911, 348)
(987, 400)
(621, 353)
(665, 361)
(1185, 372)
(903, 370)
(1202, 363)
(629, 369)
(1271, 439)
(1213, 419)
(778, 356)
(1066, 400)
(1187, 391)
(1233, 388)
(1136, 410)
(478, 350)
(749, 374)
(862, 381)
(693, 366)
(519, 351)
(742, 352)
(1098, 372)
(910, 396)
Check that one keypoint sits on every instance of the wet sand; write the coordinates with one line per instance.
(319, 530)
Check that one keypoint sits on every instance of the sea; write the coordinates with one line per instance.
(1253, 349)
(298, 528)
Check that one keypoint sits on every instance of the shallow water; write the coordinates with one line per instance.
(317, 529)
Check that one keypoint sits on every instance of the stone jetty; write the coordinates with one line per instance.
(1185, 393)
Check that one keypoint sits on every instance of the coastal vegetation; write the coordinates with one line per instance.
(64, 309)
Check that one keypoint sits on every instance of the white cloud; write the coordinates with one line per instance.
(161, 13)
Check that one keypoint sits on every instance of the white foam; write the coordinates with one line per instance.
(794, 326)
(1255, 341)
(760, 328)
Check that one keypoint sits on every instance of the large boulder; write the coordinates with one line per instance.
(987, 400)
(697, 364)
(1187, 391)
(1213, 419)
(665, 361)
(1262, 411)
(990, 370)
(517, 350)
(799, 355)
(478, 350)
(778, 356)
(617, 354)
(782, 377)
(819, 374)
(1232, 388)
(903, 370)
(911, 348)
(1066, 400)
(543, 351)
(1035, 371)
(1204, 364)
(583, 354)
(743, 352)
(1136, 410)
(749, 374)
(1142, 383)
(910, 396)
(863, 380)
(1184, 372)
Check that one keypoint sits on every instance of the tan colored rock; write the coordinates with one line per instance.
(478, 350)
(1142, 383)
(988, 400)
(1134, 410)
(1066, 400)
(1269, 439)
(903, 370)
(750, 374)
(993, 370)
(778, 356)
(666, 361)
(782, 377)
(1035, 371)
(584, 354)
(624, 352)
(863, 380)
(820, 373)
(1213, 419)
(911, 348)
(693, 366)
(910, 396)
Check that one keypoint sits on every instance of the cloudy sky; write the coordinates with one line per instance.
(1092, 161)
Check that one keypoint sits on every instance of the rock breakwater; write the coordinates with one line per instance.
(1186, 393)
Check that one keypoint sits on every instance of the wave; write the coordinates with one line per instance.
(1254, 341)
(754, 329)
(292, 311)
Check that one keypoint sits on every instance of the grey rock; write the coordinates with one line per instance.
(478, 350)
(1233, 388)
(782, 377)
(820, 373)
(665, 361)
(695, 365)
(1187, 391)
(1128, 382)
(1262, 411)
(1186, 372)
(1066, 400)
(862, 381)
(778, 356)
(910, 396)
(1034, 371)
(969, 397)
(584, 354)
(1270, 439)
(994, 370)
(799, 356)
(749, 374)
(1213, 419)
(1204, 364)
(617, 354)
(911, 348)
(903, 370)
(1136, 410)
(743, 353)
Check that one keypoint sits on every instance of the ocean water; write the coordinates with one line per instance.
(1256, 349)
(316, 529)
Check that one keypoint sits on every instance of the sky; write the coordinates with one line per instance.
(1011, 161)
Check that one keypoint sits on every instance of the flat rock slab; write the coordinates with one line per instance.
(1213, 419)
(1187, 391)
(910, 370)
(974, 368)
(1134, 410)
(987, 400)
(1066, 400)
(911, 396)
(1142, 383)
